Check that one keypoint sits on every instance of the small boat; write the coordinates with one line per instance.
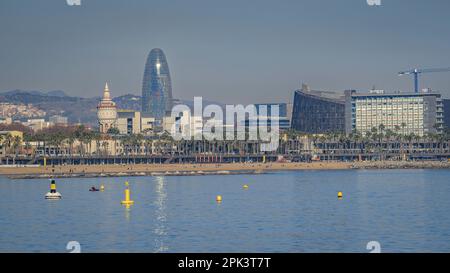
(93, 189)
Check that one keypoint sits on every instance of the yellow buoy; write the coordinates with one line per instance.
(219, 198)
(245, 186)
(102, 187)
(340, 195)
(127, 200)
(53, 194)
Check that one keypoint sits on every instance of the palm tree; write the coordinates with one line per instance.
(97, 137)
(1, 144)
(374, 133)
(381, 131)
(148, 145)
(105, 145)
(389, 134)
(8, 141)
(87, 139)
(16, 144)
(403, 125)
(27, 147)
(70, 140)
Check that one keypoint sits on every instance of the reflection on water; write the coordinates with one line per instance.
(127, 209)
(161, 215)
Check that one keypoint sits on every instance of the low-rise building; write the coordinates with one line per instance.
(147, 123)
(58, 120)
(6, 120)
(128, 122)
(37, 124)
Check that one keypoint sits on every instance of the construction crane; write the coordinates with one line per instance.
(416, 73)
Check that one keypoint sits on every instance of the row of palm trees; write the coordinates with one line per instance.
(62, 140)
(376, 134)
(11, 144)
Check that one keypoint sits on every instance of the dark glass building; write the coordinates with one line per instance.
(318, 112)
(446, 104)
(156, 85)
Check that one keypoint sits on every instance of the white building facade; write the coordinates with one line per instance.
(106, 112)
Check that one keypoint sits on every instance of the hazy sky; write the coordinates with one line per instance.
(244, 51)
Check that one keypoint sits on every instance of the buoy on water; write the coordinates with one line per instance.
(245, 186)
(53, 194)
(340, 195)
(219, 198)
(102, 187)
(127, 201)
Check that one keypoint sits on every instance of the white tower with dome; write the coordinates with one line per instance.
(106, 112)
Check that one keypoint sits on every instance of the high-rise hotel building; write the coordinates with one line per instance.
(403, 113)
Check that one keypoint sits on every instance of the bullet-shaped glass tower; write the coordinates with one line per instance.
(156, 85)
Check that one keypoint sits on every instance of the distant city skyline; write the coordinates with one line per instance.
(227, 51)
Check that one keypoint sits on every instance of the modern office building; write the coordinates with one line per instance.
(404, 113)
(156, 85)
(318, 112)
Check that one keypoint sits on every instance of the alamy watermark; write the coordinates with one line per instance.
(374, 247)
(248, 123)
(78, 2)
(74, 247)
(374, 2)
(73, 2)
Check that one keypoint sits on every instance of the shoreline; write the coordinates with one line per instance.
(86, 171)
(65, 171)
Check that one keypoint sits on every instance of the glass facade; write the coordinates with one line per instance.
(446, 114)
(156, 85)
(318, 112)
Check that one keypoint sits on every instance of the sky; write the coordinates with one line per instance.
(233, 51)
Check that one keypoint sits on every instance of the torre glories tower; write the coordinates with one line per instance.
(156, 86)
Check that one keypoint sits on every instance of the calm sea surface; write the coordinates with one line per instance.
(404, 210)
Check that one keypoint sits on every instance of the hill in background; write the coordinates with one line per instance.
(77, 109)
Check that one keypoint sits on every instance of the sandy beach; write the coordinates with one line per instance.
(204, 168)
(164, 169)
